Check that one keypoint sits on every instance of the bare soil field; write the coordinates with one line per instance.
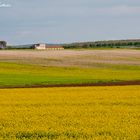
(82, 58)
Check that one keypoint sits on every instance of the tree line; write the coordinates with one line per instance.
(107, 44)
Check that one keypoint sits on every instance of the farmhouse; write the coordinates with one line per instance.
(47, 47)
(2, 44)
(40, 46)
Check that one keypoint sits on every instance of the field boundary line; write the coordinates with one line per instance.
(121, 83)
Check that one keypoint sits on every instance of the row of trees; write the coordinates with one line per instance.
(109, 44)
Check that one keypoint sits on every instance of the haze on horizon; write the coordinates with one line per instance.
(64, 21)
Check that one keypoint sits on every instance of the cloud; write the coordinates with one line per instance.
(68, 20)
(4, 5)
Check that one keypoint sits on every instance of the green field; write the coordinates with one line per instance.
(12, 74)
(86, 113)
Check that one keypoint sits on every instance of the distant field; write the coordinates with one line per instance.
(96, 113)
(78, 58)
(42, 68)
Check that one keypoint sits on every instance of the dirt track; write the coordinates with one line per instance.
(123, 83)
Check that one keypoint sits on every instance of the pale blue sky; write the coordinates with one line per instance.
(64, 21)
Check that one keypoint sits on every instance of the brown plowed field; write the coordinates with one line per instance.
(82, 58)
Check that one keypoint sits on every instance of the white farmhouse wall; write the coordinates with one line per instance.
(40, 46)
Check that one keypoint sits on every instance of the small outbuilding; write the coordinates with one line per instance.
(3, 44)
(54, 47)
(48, 47)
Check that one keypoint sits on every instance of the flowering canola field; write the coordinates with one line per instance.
(77, 113)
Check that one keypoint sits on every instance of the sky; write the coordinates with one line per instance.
(65, 21)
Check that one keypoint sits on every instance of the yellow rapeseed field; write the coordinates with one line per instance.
(92, 113)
